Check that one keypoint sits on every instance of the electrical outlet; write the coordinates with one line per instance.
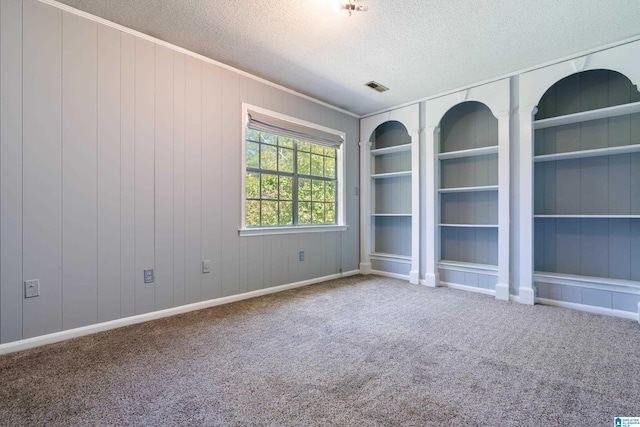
(206, 266)
(31, 288)
(148, 276)
(301, 255)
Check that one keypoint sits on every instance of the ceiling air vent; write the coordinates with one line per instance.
(377, 86)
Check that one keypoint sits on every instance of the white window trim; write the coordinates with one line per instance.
(340, 160)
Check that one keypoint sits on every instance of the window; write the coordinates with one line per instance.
(291, 174)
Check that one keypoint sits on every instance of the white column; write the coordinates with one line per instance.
(365, 207)
(525, 190)
(414, 274)
(430, 186)
(502, 285)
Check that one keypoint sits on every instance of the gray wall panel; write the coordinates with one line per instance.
(619, 244)
(193, 177)
(144, 172)
(10, 170)
(179, 174)
(163, 208)
(79, 178)
(568, 187)
(108, 122)
(619, 188)
(42, 166)
(127, 176)
(594, 243)
(568, 244)
(594, 183)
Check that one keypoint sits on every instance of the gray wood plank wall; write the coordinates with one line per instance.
(119, 155)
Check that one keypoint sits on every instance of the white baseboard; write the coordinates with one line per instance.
(468, 288)
(365, 268)
(28, 343)
(392, 275)
(589, 308)
(414, 277)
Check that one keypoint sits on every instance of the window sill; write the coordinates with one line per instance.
(265, 231)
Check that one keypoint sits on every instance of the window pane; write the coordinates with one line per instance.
(285, 142)
(253, 154)
(330, 213)
(304, 189)
(286, 213)
(330, 152)
(304, 164)
(253, 135)
(329, 167)
(269, 186)
(330, 191)
(269, 157)
(317, 191)
(252, 185)
(285, 160)
(269, 213)
(317, 165)
(317, 149)
(317, 213)
(268, 138)
(304, 213)
(286, 188)
(304, 146)
(252, 214)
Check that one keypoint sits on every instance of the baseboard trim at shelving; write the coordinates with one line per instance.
(391, 275)
(589, 308)
(402, 259)
(468, 288)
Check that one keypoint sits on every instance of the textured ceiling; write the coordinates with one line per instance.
(417, 48)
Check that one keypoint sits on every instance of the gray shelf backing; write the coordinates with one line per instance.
(469, 208)
(586, 91)
(474, 280)
(389, 134)
(602, 133)
(393, 195)
(392, 235)
(596, 247)
(390, 266)
(393, 162)
(607, 185)
(469, 171)
(476, 245)
(592, 297)
(468, 125)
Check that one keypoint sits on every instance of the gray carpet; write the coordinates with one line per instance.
(361, 351)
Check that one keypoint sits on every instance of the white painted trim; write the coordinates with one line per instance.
(589, 308)
(127, 321)
(392, 275)
(267, 231)
(605, 47)
(468, 267)
(192, 54)
(588, 282)
(468, 288)
(365, 268)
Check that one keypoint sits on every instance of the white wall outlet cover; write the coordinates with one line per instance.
(206, 266)
(31, 288)
(148, 276)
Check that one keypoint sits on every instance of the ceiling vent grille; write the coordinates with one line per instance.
(377, 86)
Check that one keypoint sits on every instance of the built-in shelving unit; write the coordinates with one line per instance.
(587, 191)
(389, 202)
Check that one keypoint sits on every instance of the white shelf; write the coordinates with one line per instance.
(590, 282)
(482, 151)
(469, 189)
(390, 150)
(589, 216)
(391, 175)
(455, 265)
(609, 151)
(391, 215)
(390, 257)
(601, 113)
(469, 225)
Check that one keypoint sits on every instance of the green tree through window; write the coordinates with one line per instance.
(288, 181)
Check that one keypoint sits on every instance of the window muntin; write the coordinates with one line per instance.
(289, 182)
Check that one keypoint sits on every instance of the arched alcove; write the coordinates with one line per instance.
(587, 190)
(468, 192)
